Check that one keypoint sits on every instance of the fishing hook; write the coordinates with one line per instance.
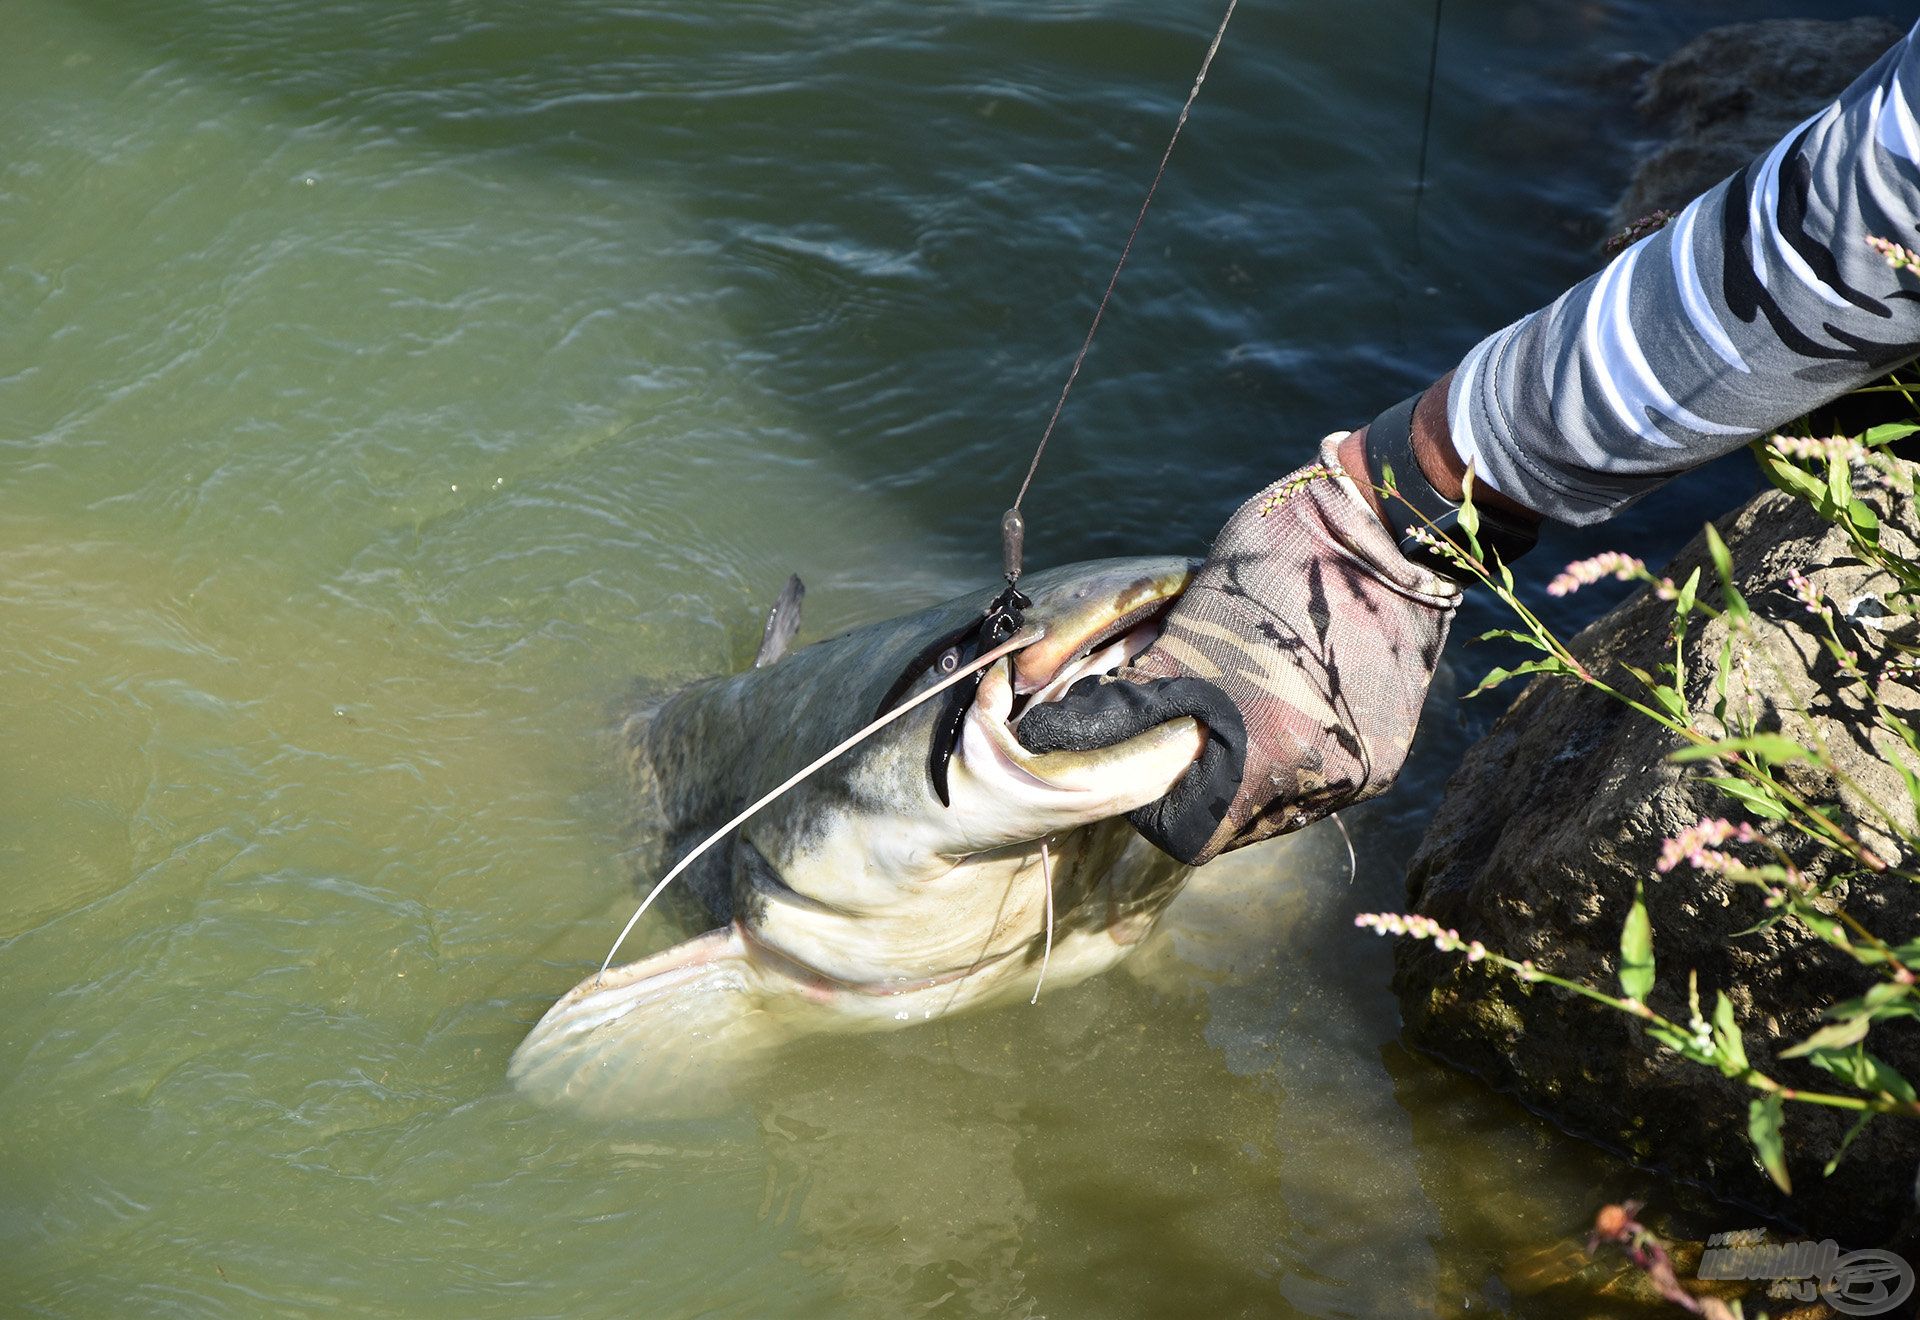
(1002, 619)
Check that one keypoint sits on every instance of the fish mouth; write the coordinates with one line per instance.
(1093, 618)
(1098, 628)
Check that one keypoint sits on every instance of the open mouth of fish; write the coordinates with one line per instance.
(1039, 673)
(1022, 681)
(1098, 640)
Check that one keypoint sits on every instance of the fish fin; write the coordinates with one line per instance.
(783, 621)
(664, 1035)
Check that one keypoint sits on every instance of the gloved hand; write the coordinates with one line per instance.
(1305, 644)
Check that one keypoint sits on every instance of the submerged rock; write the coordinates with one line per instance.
(1732, 92)
(1562, 808)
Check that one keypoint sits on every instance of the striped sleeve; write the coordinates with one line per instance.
(1758, 303)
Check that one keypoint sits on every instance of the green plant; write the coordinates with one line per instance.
(1748, 763)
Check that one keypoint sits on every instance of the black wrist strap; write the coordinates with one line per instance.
(1416, 506)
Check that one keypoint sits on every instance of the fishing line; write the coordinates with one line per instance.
(1353, 863)
(1426, 127)
(1046, 953)
(1012, 525)
(1007, 647)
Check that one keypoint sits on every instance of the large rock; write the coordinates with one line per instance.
(1555, 816)
(1732, 92)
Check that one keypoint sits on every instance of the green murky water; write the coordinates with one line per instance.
(386, 388)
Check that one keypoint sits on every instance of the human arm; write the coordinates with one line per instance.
(1761, 301)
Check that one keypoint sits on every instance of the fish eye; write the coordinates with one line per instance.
(949, 660)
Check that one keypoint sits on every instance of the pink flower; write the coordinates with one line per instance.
(1586, 572)
(1699, 844)
(1806, 592)
(1896, 256)
(1444, 938)
(1833, 446)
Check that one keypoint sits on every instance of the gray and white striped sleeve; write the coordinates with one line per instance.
(1761, 301)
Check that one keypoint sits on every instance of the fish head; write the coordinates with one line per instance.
(865, 877)
(1087, 620)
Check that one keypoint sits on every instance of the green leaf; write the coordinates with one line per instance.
(1767, 922)
(1683, 602)
(1864, 521)
(1836, 1037)
(1636, 949)
(1826, 927)
(1864, 1072)
(1767, 748)
(1888, 999)
(1848, 1065)
(1469, 517)
(1859, 1126)
(1763, 1130)
(1887, 992)
(1726, 1035)
(1668, 697)
(1785, 474)
(1886, 1078)
(1839, 481)
(1721, 556)
(1509, 635)
(1496, 676)
(1722, 672)
(1756, 800)
(1886, 433)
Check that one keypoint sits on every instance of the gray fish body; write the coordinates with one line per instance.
(858, 900)
(716, 745)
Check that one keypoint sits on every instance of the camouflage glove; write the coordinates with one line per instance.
(1305, 644)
